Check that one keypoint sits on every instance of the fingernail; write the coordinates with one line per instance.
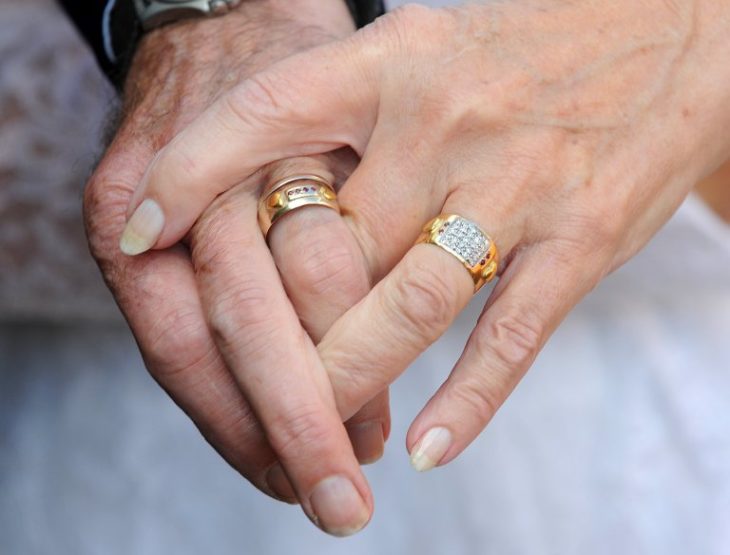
(367, 441)
(431, 448)
(338, 507)
(280, 485)
(143, 228)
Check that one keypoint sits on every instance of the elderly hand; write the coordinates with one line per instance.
(213, 322)
(569, 131)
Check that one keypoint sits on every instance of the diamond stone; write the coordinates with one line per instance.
(300, 192)
(464, 239)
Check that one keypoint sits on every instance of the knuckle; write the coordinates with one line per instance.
(241, 319)
(104, 210)
(590, 230)
(262, 98)
(301, 429)
(424, 300)
(354, 373)
(477, 397)
(228, 427)
(607, 230)
(237, 433)
(328, 265)
(457, 109)
(176, 343)
(174, 164)
(512, 340)
(403, 29)
(212, 238)
(412, 19)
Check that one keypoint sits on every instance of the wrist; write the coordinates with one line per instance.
(193, 60)
(257, 17)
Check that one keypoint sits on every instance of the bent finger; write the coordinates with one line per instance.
(276, 364)
(324, 273)
(403, 315)
(158, 296)
(534, 295)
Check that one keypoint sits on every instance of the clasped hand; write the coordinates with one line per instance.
(568, 132)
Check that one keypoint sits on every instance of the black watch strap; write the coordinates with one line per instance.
(113, 31)
(365, 11)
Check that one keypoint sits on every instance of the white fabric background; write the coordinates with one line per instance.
(618, 441)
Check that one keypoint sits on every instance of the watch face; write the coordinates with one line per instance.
(153, 13)
(148, 3)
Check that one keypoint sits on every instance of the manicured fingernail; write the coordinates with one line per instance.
(367, 441)
(338, 507)
(280, 485)
(143, 228)
(431, 448)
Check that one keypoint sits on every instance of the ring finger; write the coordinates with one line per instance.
(276, 364)
(324, 272)
(407, 311)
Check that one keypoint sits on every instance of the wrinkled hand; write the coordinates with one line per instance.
(569, 131)
(213, 323)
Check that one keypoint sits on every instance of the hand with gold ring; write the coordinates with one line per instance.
(292, 445)
(564, 134)
(257, 328)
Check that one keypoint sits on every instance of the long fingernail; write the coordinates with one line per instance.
(367, 441)
(280, 485)
(431, 448)
(338, 507)
(143, 228)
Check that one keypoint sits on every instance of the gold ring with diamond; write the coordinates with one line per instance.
(293, 193)
(467, 242)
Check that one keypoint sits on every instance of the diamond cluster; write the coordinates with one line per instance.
(464, 239)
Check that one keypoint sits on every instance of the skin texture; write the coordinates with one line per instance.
(170, 298)
(570, 131)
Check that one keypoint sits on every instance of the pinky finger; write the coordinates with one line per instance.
(533, 296)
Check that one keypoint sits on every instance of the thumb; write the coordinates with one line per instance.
(309, 103)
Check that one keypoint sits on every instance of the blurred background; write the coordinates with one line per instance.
(53, 102)
(83, 472)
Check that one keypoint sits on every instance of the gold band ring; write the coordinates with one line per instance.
(467, 242)
(293, 193)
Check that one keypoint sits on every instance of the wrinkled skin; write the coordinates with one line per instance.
(179, 71)
(569, 131)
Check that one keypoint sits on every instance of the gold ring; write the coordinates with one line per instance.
(293, 193)
(467, 242)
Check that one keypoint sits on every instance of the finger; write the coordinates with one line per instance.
(306, 104)
(158, 296)
(324, 274)
(369, 428)
(276, 364)
(382, 207)
(536, 293)
(404, 314)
